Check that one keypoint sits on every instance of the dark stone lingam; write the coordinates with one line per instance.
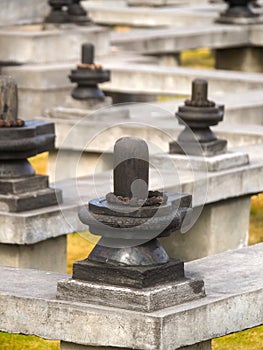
(198, 114)
(87, 76)
(20, 188)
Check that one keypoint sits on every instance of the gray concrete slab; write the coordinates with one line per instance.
(176, 80)
(151, 17)
(23, 12)
(138, 78)
(234, 287)
(37, 44)
(174, 39)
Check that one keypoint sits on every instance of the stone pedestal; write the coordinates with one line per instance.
(218, 162)
(221, 226)
(20, 12)
(234, 285)
(40, 44)
(245, 59)
(70, 346)
(49, 255)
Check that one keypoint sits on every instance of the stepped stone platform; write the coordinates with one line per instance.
(23, 12)
(40, 43)
(234, 287)
(51, 84)
(152, 17)
(173, 39)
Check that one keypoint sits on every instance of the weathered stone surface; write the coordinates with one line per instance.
(24, 184)
(28, 44)
(233, 282)
(214, 232)
(70, 346)
(30, 200)
(94, 114)
(147, 299)
(145, 17)
(160, 2)
(38, 225)
(26, 11)
(172, 40)
(34, 256)
(219, 162)
(128, 276)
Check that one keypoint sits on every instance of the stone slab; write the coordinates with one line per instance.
(234, 287)
(70, 346)
(215, 163)
(138, 78)
(128, 276)
(109, 114)
(24, 184)
(48, 255)
(34, 44)
(161, 2)
(35, 226)
(145, 300)
(23, 12)
(30, 200)
(214, 231)
(172, 39)
(145, 17)
(176, 80)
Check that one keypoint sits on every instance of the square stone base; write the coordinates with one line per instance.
(147, 299)
(216, 163)
(206, 149)
(128, 276)
(27, 193)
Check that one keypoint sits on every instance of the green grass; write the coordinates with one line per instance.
(23, 342)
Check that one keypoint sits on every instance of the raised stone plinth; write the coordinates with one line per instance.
(39, 44)
(26, 11)
(233, 282)
(161, 2)
(219, 162)
(145, 17)
(51, 84)
(146, 300)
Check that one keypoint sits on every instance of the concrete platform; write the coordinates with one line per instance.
(219, 162)
(38, 44)
(23, 12)
(173, 39)
(152, 17)
(51, 84)
(234, 287)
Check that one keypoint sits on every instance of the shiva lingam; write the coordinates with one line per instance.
(129, 268)
(20, 188)
(87, 76)
(199, 114)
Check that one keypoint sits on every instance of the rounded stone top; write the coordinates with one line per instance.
(199, 94)
(87, 53)
(131, 168)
